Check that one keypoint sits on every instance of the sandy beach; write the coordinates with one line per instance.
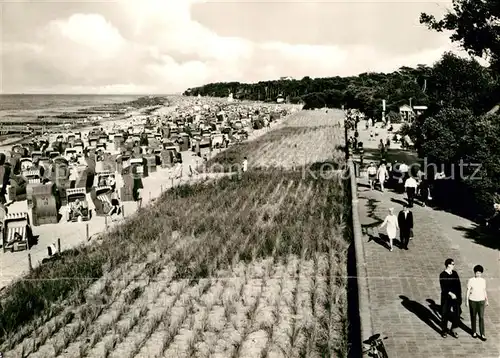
(15, 265)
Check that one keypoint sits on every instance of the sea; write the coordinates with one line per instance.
(29, 106)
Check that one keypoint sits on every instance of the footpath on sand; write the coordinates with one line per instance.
(403, 286)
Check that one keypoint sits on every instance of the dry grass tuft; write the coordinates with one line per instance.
(242, 266)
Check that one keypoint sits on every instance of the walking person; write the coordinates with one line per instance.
(391, 223)
(423, 189)
(372, 175)
(476, 299)
(382, 175)
(381, 148)
(451, 298)
(411, 189)
(404, 169)
(405, 223)
(115, 204)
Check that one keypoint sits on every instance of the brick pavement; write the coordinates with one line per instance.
(411, 326)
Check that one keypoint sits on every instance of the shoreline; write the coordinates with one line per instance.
(78, 115)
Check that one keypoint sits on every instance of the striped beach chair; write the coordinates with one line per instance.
(31, 175)
(15, 226)
(102, 193)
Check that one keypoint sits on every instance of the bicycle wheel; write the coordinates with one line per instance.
(381, 352)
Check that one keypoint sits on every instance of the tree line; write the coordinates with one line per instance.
(451, 81)
(461, 125)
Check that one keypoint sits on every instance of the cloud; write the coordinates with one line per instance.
(159, 47)
(90, 32)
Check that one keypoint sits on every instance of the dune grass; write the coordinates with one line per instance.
(205, 229)
(251, 264)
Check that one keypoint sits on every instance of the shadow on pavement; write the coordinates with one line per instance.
(371, 205)
(422, 312)
(480, 236)
(392, 155)
(436, 309)
(398, 201)
(382, 240)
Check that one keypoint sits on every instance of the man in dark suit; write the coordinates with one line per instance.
(405, 221)
(451, 298)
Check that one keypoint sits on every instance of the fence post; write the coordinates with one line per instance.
(172, 181)
(150, 196)
(161, 188)
(87, 231)
(58, 245)
(30, 266)
(106, 221)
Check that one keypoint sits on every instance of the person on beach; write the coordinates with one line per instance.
(136, 193)
(111, 182)
(451, 298)
(405, 223)
(115, 204)
(391, 223)
(476, 299)
(245, 165)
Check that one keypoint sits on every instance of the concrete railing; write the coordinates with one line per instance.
(365, 319)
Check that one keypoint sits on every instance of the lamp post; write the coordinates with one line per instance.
(383, 110)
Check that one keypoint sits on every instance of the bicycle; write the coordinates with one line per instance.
(377, 348)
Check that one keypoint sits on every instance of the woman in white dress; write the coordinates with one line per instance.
(382, 175)
(391, 223)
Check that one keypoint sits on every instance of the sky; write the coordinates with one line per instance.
(167, 46)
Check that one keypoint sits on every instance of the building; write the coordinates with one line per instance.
(406, 113)
(419, 110)
(286, 78)
(409, 113)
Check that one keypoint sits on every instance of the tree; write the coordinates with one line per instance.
(461, 83)
(475, 24)
(443, 138)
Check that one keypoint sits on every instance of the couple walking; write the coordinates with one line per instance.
(403, 222)
(381, 175)
(451, 299)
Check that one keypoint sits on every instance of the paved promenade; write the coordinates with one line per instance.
(403, 286)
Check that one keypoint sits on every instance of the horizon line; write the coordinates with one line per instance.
(88, 94)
